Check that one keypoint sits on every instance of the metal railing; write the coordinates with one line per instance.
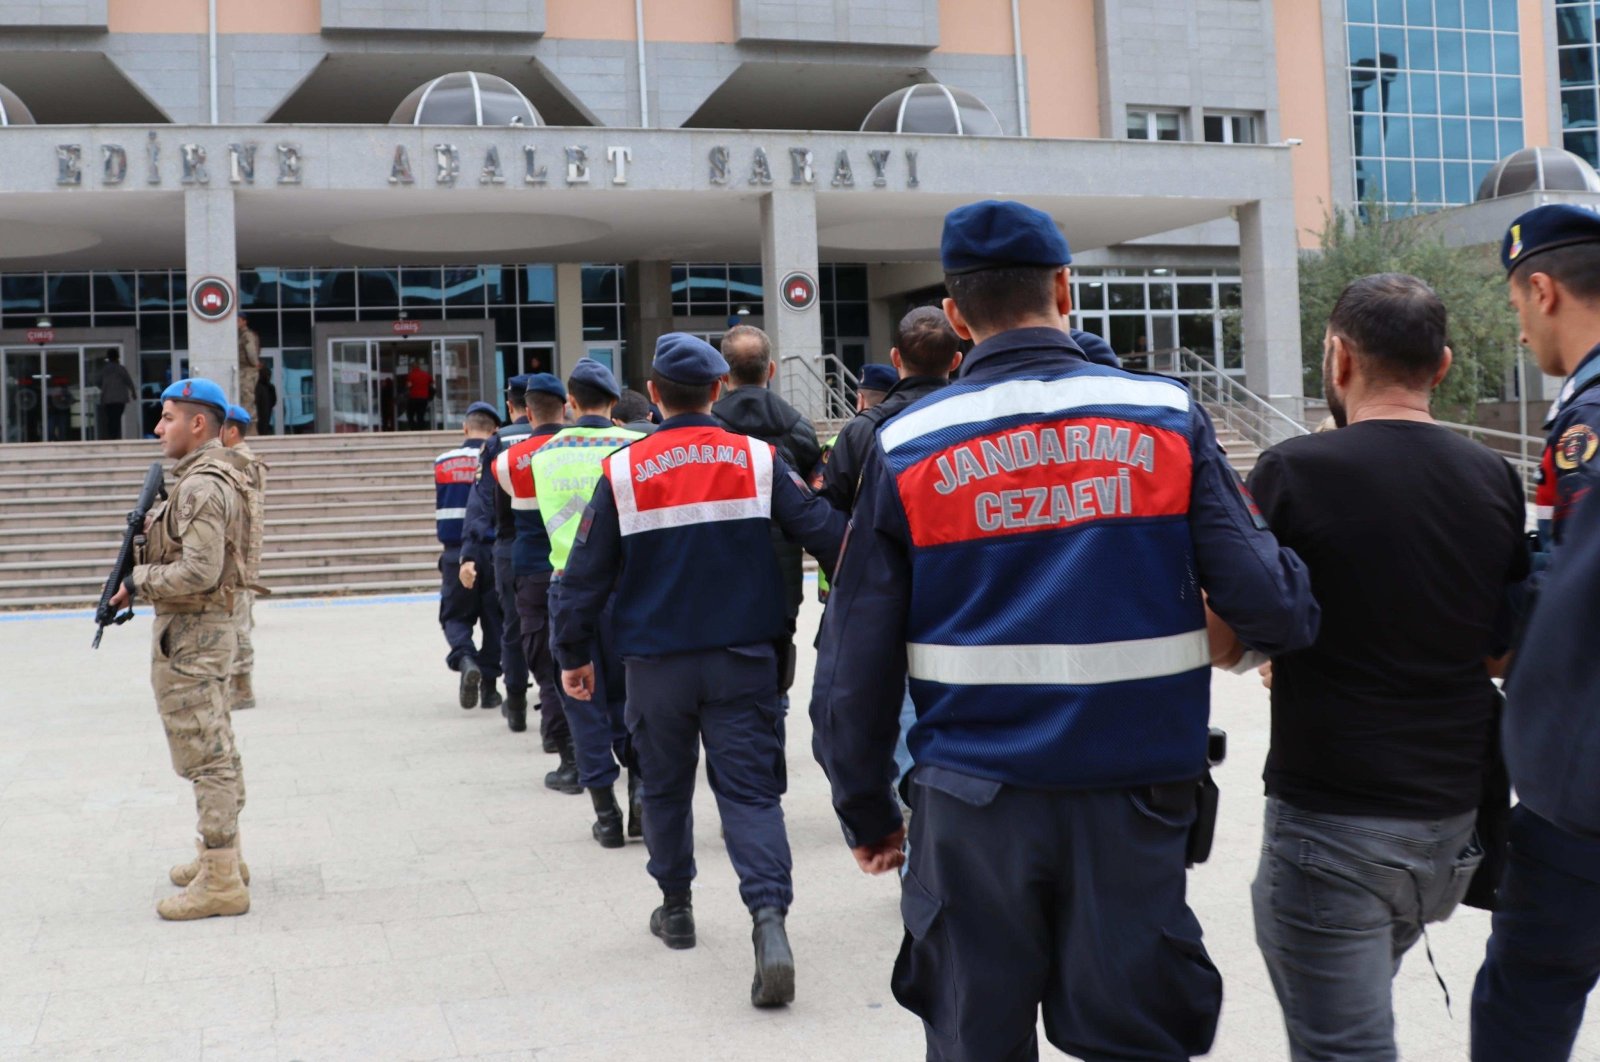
(1523, 452)
(1231, 404)
(820, 387)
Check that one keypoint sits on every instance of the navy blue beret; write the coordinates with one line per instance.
(879, 377)
(516, 386)
(1544, 229)
(238, 415)
(593, 374)
(484, 407)
(544, 382)
(999, 235)
(688, 359)
(198, 390)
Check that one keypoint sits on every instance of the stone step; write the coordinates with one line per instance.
(355, 475)
(117, 477)
(84, 586)
(112, 515)
(412, 493)
(111, 531)
(355, 586)
(102, 549)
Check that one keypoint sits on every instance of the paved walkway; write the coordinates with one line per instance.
(419, 895)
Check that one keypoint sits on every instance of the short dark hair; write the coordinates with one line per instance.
(543, 406)
(993, 300)
(926, 342)
(748, 352)
(631, 406)
(1575, 267)
(478, 420)
(1396, 323)
(213, 416)
(587, 395)
(682, 397)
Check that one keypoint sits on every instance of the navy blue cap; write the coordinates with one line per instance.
(1000, 235)
(238, 414)
(517, 385)
(545, 383)
(593, 374)
(198, 390)
(1544, 229)
(878, 377)
(484, 407)
(687, 359)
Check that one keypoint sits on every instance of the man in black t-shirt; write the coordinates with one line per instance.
(1381, 729)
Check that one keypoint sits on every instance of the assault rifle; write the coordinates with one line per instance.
(153, 491)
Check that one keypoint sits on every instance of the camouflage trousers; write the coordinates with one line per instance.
(247, 390)
(190, 662)
(244, 621)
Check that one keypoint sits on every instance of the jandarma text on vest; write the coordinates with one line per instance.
(667, 460)
(1047, 444)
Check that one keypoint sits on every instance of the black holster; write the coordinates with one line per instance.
(1207, 801)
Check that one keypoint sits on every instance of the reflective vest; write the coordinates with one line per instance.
(694, 508)
(513, 472)
(565, 471)
(454, 472)
(1084, 663)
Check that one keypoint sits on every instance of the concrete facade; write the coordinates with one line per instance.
(53, 14)
(435, 16)
(897, 23)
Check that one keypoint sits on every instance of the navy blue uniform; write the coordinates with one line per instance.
(699, 649)
(460, 609)
(1572, 441)
(488, 540)
(1031, 544)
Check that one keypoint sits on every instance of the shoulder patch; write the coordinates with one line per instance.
(1576, 446)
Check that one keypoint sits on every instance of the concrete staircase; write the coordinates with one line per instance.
(345, 514)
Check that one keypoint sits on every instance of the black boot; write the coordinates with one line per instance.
(471, 678)
(516, 711)
(635, 808)
(673, 921)
(551, 745)
(774, 983)
(564, 779)
(607, 818)
(491, 697)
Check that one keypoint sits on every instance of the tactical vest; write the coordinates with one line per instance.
(694, 507)
(254, 469)
(565, 471)
(513, 471)
(454, 473)
(1056, 635)
(163, 544)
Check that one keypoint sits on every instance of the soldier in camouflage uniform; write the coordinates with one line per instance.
(190, 568)
(241, 695)
(249, 366)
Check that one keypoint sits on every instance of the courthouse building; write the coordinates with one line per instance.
(482, 187)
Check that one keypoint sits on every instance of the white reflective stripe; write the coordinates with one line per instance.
(502, 473)
(1059, 665)
(621, 467)
(1022, 397)
(450, 514)
(460, 451)
(523, 505)
(761, 465)
(575, 505)
(1544, 512)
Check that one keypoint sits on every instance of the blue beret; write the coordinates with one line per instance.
(1000, 235)
(1096, 349)
(545, 383)
(593, 374)
(1546, 228)
(484, 407)
(687, 359)
(879, 377)
(197, 390)
(237, 413)
(517, 384)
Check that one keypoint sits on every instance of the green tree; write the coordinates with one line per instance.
(1483, 328)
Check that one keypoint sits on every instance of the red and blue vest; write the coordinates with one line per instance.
(1085, 662)
(454, 473)
(513, 472)
(694, 505)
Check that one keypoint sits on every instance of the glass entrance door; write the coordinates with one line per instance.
(416, 383)
(456, 371)
(354, 385)
(51, 393)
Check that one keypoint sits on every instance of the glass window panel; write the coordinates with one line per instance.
(296, 325)
(1577, 66)
(1480, 53)
(378, 288)
(1454, 135)
(1126, 333)
(851, 319)
(927, 112)
(1430, 182)
(1396, 100)
(1480, 97)
(464, 287)
(1419, 49)
(66, 293)
(1360, 10)
(1447, 12)
(1096, 325)
(1161, 296)
(155, 331)
(335, 288)
(1577, 108)
(1391, 47)
(1196, 331)
(1127, 296)
(1452, 51)
(1369, 183)
(1397, 182)
(1505, 15)
(499, 285)
(1363, 42)
(1485, 144)
(115, 319)
(505, 324)
(538, 323)
(1480, 170)
(1367, 129)
(420, 287)
(180, 331)
(114, 292)
(1195, 296)
(24, 292)
(1507, 54)
(1092, 295)
(1214, 132)
(1230, 296)
(744, 282)
(1244, 129)
(601, 284)
(1477, 14)
(1419, 12)
(1397, 138)
(680, 290)
(1458, 183)
(1508, 96)
(1425, 93)
(1452, 94)
(850, 281)
(1582, 143)
(294, 287)
(265, 325)
(1392, 11)
(1425, 137)
(1511, 138)
(537, 284)
(1138, 125)
(1574, 25)
(600, 322)
(340, 316)
(1163, 332)
(1168, 126)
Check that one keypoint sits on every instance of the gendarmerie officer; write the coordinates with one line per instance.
(1543, 956)
(679, 524)
(1032, 543)
(488, 539)
(465, 604)
(545, 403)
(565, 470)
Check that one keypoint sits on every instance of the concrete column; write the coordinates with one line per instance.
(647, 314)
(1269, 264)
(210, 251)
(789, 244)
(569, 317)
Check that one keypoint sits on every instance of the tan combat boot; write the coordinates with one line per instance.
(183, 873)
(240, 695)
(216, 890)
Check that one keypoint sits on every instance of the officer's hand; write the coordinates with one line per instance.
(119, 600)
(1265, 671)
(579, 683)
(882, 856)
(469, 574)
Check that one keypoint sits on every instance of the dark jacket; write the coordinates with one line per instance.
(758, 412)
(116, 386)
(841, 469)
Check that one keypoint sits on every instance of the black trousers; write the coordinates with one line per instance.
(111, 420)
(513, 664)
(533, 613)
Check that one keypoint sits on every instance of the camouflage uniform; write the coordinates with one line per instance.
(191, 567)
(249, 369)
(254, 470)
